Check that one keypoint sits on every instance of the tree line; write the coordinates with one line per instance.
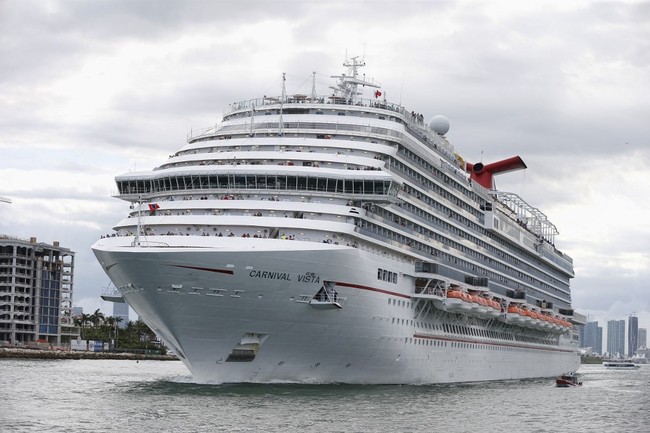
(135, 336)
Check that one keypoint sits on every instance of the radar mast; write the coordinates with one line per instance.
(348, 82)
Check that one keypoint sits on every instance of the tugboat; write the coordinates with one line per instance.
(567, 380)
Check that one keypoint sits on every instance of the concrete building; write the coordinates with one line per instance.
(616, 337)
(632, 334)
(36, 281)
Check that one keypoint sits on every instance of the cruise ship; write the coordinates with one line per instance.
(338, 237)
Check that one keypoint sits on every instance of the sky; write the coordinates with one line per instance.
(93, 89)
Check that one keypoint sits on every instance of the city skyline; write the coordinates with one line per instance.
(617, 338)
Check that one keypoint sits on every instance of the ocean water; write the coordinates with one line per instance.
(159, 396)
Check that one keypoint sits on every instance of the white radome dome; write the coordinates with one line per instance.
(439, 124)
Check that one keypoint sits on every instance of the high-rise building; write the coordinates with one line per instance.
(35, 291)
(591, 337)
(599, 340)
(632, 334)
(616, 337)
(121, 310)
(77, 311)
(643, 338)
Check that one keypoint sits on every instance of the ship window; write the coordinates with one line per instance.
(168, 184)
(348, 189)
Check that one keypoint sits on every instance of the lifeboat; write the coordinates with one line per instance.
(514, 315)
(479, 309)
(526, 315)
(494, 308)
(550, 322)
(457, 301)
(559, 324)
(485, 308)
(546, 324)
(538, 320)
(531, 321)
(566, 325)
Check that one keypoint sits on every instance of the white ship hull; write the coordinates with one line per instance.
(207, 301)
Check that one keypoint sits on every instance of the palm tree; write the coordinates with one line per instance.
(82, 322)
(138, 336)
(97, 318)
(111, 325)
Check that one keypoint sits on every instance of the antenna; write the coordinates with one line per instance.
(282, 98)
(313, 86)
(136, 241)
(252, 133)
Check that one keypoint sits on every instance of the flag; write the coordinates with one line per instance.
(377, 93)
(153, 207)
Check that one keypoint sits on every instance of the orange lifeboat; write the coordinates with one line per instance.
(515, 315)
(492, 307)
(457, 300)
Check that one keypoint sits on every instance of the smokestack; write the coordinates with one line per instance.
(483, 174)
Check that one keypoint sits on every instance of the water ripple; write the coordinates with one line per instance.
(117, 396)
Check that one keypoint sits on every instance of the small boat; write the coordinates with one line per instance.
(567, 380)
(620, 364)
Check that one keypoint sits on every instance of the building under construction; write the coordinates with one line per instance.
(36, 281)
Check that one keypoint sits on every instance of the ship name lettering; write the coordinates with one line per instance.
(270, 275)
(309, 279)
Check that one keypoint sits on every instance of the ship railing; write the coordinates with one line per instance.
(327, 100)
(111, 294)
(322, 128)
(110, 291)
(149, 244)
(414, 122)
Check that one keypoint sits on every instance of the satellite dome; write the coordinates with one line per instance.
(439, 124)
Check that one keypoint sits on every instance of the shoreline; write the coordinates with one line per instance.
(19, 353)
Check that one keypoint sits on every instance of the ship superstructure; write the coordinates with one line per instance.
(340, 238)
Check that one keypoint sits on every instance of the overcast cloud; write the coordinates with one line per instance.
(93, 89)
